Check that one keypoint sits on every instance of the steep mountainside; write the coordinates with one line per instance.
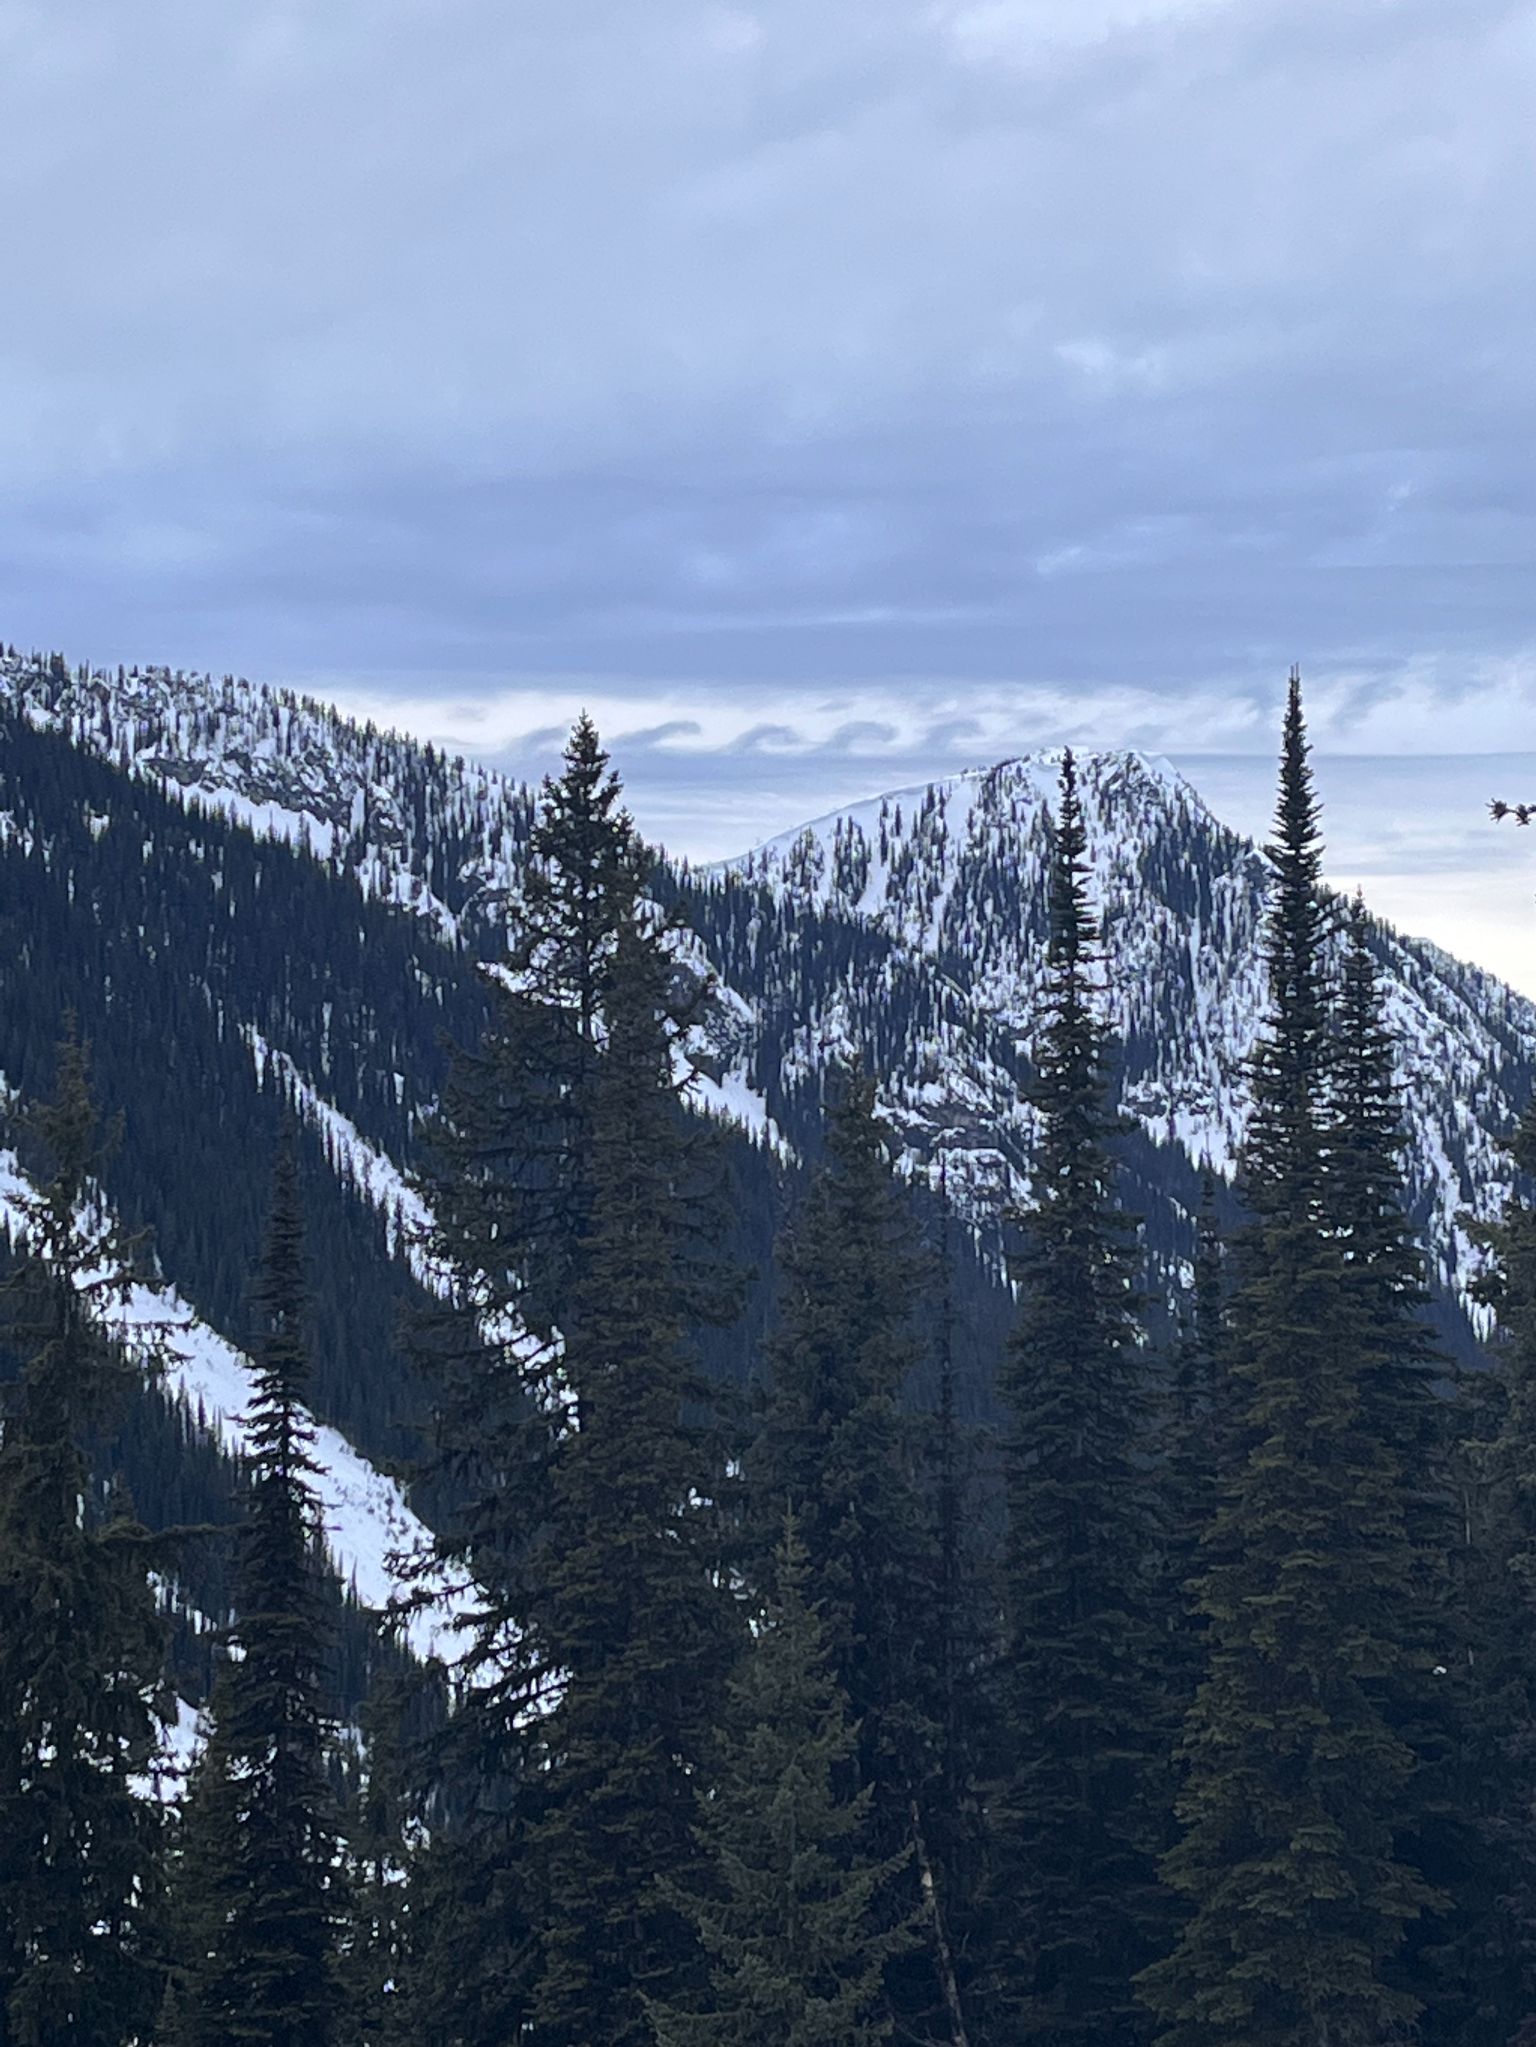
(243, 896)
(949, 879)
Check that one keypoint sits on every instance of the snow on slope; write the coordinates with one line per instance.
(372, 804)
(949, 873)
(369, 1172)
(953, 873)
(366, 1521)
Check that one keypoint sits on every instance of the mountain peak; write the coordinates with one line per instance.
(951, 877)
(1011, 788)
(909, 927)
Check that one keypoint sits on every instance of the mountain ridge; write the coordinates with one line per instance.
(1181, 899)
(441, 837)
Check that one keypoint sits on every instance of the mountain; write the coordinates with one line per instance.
(947, 879)
(244, 897)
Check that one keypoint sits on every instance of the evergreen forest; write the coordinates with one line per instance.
(1124, 1640)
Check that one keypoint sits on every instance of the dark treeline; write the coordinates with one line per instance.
(1188, 1704)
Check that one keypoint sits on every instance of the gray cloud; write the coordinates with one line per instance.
(1097, 339)
(802, 381)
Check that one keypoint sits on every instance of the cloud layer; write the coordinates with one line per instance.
(818, 388)
(1145, 341)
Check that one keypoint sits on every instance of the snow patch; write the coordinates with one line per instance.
(369, 1528)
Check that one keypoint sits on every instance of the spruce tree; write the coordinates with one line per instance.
(508, 1184)
(260, 1883)
(1406, 1411)
(1076, 1814)
(511, 1151)
(581, 1480)
(635, 1611)
(1405, 1376)
(1496, 1590)
(959, 1642)
(464, 1961)
(1294, 1782)
(791, 1907)
(837, 1440)
(376, 1937)
(81, 1646)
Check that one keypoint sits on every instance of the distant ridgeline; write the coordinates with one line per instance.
(245, 899)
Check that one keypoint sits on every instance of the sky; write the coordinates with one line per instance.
(828, 394)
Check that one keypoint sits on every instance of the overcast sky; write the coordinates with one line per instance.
(830, 392)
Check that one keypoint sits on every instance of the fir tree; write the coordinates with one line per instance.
(950, 1831)
(634, 1610)
(792, 1911)
(1294, 1781)
(508, 1183)
(464, 1962)
(1075, 1822)
(581, 1479)
(1496, 1589)
(81, 1646)
(520, 1136)
(1406, 1413)
(1404, 1375)
(375, 1944)
(836, 1439)
(260, 1885)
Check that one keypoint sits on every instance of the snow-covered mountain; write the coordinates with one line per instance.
(951, 874)
(324, 957)
(908, 927)
(409, 824)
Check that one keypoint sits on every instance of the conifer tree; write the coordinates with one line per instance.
(375, 1942)
(1496, 1589)
(1076, 1814)
(508, 1185)
(507, 1182)
(465, 1954)
(1405, 1375)
(581, 1475)
(837, 1440)
(510, 1153)
(81, 1645)
(1406, 1411)
(635, 1611)
(260, 1882)
(959, 1641)
(1294, 1781)
(790, 1908)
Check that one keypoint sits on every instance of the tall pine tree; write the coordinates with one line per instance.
(1407, 1412)
(508, 1184)
(1294, 1780)
(1496, 1586)
(1076, 1816)
(1197, 1424)
(572, 1425)
(260, 1890)
(378, 1860)
(81, 1646)
(635, 1607)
